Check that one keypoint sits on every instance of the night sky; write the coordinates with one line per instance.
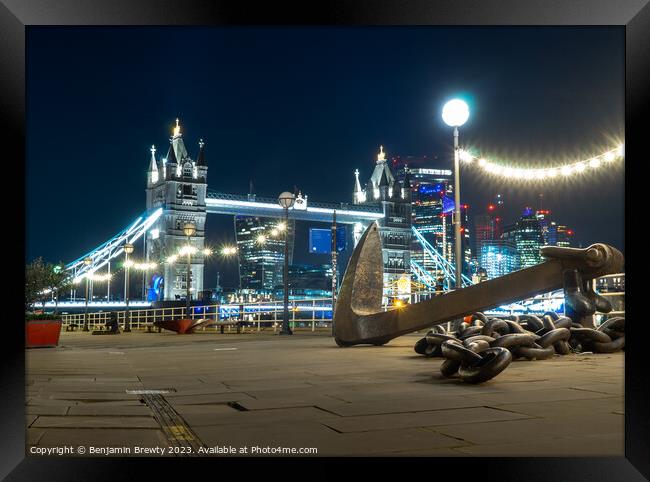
(304, 107)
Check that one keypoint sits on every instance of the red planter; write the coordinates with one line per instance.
(42, 333)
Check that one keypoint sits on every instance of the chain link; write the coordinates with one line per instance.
(482, 346)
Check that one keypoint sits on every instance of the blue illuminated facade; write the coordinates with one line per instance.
(498, 257)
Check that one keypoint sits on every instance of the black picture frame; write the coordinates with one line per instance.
(632, 15)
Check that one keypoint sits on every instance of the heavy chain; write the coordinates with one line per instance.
(482, 346)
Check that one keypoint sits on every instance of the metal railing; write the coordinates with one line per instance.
(309, 313)
(616, 298)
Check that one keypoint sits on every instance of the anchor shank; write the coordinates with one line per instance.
(506, 289)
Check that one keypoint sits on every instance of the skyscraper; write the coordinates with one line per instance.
(498, 257)
(547, 227)
(488, 226)
(432, 206)
(527, 236)
(564, 236)
(431, 199)
(260, 244)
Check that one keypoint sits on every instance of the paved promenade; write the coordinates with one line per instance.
(255, 390)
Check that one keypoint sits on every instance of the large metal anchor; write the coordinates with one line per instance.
(360, 319)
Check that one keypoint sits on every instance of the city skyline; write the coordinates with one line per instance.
(102, 140)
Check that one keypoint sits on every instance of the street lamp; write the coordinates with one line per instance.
(455, 113)
(190, 230)
(286, 200)
(87, 262)
(128, 249)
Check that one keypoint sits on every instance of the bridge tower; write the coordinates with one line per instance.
(178, 184)
(395, 228)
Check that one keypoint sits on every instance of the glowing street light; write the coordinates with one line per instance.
(228, 250)
(128, 249)
(261, 239)
(455, 113)
(286, 200)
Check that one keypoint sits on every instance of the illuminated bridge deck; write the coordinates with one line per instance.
(235, 204)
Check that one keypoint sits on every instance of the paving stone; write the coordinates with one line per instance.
(398, 441)
(208, 398)
(100, 396)
(610, 445)
(122, 410)
(95, 422)
(205, 409)
(421, 419)
(46, 409)
(33, 435)
(289, 402)
(547, 395)
(231, 417)
(608, 388)
(535, 429)
(90, 388)
(401, 406)
(565, 408)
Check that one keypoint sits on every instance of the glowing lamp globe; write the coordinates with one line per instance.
(286, 199)
(189, 229)
(455, 113)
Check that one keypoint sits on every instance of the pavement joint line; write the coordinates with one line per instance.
(331, 428)
(324, 410)
(492, 407)
(433, 429)
(587, 390)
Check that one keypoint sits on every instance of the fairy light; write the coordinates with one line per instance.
(536, 174)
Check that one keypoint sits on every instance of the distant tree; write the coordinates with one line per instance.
(43, 280)
(60, 280)
(37, 280)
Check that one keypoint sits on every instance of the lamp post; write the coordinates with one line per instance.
(87, 262)
(189, 229)
(455, 113)
(286, 200)
(128, 249)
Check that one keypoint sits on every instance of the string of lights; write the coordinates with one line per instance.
(539, 174)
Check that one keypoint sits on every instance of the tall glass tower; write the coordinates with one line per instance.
(527, 236)
(432, 199)
(498, 257)
(260, 244)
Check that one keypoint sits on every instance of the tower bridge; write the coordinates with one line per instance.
(177, 193)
